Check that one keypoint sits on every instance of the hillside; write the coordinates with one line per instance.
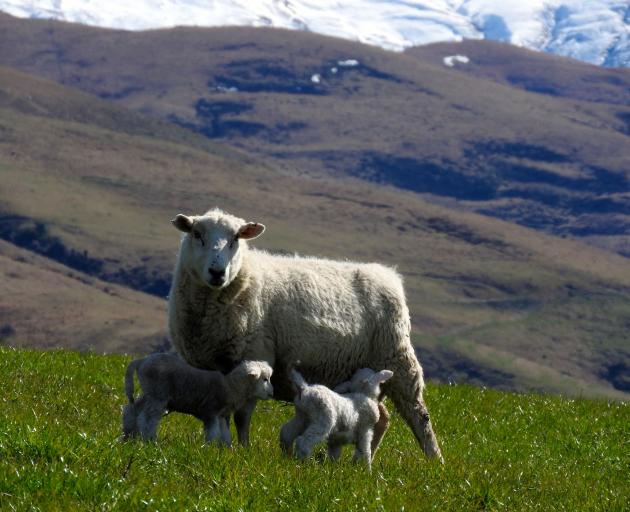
(45, 304)
(59, 450)
(322, 106)
(94, 186)
(532, 71)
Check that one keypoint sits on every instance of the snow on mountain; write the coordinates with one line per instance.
(595, 31)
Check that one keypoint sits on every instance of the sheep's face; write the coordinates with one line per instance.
(263, 388)
(213, 246)
(259, 374)
(371, 385)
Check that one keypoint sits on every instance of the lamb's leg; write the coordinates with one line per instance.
(363, 448)
(314, 434)
(380, 428)
(212, 429)
(226, 436)
(405, 390)
(289, 431)
(129, 422)
(242, 420)
(334, 450)
(149, 417)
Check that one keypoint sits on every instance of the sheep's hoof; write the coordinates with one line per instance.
(302, 454)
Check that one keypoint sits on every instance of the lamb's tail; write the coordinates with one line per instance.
(131, 369)
(298, 381)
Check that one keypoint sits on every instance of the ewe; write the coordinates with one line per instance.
(228, 303)
(168, 383)
(324, 415)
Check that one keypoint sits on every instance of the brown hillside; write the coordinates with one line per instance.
(536, 72)
(493, 141)
(47, 305)
(491, 302)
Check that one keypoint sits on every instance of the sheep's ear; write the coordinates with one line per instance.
(251, 230)
(382, 376)
(183, 223)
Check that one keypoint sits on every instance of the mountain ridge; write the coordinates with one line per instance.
(598, 33)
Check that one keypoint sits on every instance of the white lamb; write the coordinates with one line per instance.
(354, 385)
(228, 303)
(168, 383)
(322, 415)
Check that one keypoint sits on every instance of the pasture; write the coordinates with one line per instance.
(60, 450)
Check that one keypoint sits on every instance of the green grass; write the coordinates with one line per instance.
(59, 450)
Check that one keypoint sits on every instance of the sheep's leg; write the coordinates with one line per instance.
(405, 390)
(242, 420)
(212, 429)
(226, 436)
(334, 450)
(363, 446)
(381, 427)
(289, 432)
(129, 422)
(314, 434)
(149, 418)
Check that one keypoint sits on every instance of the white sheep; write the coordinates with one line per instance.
(168, 383)
(322, 415)
(228, 303)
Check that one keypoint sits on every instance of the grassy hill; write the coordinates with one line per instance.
(527, 137)
(43, 302)
(93, 186)
(59, 450)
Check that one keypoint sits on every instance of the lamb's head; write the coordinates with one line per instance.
(254, 379)
(213, 246)
(370, 385)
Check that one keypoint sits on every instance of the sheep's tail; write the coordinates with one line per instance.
(131, 369)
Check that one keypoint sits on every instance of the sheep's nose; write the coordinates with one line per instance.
(217, 276)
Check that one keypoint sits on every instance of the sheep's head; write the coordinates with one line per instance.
(255, 378)
(261, 375)
(213, 245)
(370, 385)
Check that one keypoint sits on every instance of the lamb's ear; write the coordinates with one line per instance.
(382, 376)
(253, 373)
(251, 230)
(183, 223)
(344, 387)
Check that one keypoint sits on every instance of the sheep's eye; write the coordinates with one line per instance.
(233, 242)
(197, 236)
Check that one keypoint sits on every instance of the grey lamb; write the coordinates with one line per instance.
(324, 415)
(169, 383)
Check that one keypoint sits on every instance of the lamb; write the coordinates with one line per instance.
(229, 302)
(324, 415)
(168, 383)
(354, 385)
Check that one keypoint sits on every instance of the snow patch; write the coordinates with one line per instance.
(452, 59)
